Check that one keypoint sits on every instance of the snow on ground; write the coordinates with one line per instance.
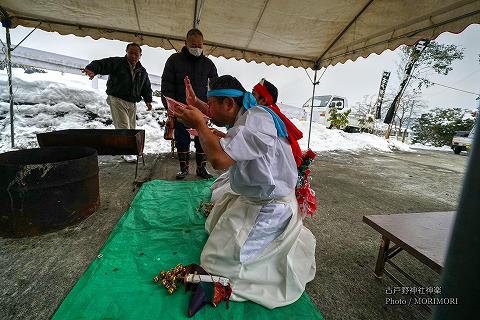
(54, 101)
(429, 147)
(323, 139)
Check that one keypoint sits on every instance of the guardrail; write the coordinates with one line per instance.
(57, 62)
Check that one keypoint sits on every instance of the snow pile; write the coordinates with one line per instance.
(291, 112)
(323, 139)
(53, 101)
(430, 147)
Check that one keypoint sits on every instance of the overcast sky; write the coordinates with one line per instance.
(353, 79)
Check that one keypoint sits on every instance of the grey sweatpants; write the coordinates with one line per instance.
(123, 113)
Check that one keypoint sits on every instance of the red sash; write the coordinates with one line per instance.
(294, 133)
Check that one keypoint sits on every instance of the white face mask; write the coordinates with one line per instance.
(195, 51)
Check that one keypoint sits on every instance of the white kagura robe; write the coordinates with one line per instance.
(257, 238)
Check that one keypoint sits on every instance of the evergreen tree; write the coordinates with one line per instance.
(438, 126)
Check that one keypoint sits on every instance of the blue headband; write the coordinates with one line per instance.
(248, 98)
(249, 102)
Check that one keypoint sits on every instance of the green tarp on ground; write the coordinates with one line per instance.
(162, 228)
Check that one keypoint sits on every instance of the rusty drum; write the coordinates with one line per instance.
(105, 141)
(46, 189)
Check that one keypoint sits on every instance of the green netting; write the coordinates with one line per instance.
(163, 227)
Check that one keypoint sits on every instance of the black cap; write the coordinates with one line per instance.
(271, 89)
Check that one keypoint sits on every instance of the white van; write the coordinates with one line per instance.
(321, 111)
(462, 140)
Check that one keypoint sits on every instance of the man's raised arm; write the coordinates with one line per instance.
(102, 66)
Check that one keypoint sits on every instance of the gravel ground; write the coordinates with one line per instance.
(36, 273)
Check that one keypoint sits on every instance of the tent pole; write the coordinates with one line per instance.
(198, 13)
(6, 22)
(25, 38)
(10, 86)
(315, 82)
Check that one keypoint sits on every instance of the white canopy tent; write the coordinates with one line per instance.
(302, 33)
(307, 33)
(281, 32)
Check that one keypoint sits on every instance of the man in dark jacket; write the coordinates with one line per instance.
(127, 83)
(192, 63)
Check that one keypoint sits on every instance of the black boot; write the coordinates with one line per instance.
(202, 166)
(183, 158)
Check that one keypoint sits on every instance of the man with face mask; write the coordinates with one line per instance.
(127, 83)
(191, 63)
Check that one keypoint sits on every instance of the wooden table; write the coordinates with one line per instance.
(424, 235)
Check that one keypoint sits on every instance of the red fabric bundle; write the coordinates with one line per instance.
(307, 202)
(294, 133)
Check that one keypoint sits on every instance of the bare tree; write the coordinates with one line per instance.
(365, 112)
(367, 105)
(409, 108)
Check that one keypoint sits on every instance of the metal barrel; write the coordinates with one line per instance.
(46, 189)
(105, 141)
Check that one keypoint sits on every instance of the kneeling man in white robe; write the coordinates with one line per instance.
(256, 236)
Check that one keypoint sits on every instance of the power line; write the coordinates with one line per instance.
(442, 85)
(467, 76)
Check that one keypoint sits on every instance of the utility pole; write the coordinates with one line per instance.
(414, 56)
